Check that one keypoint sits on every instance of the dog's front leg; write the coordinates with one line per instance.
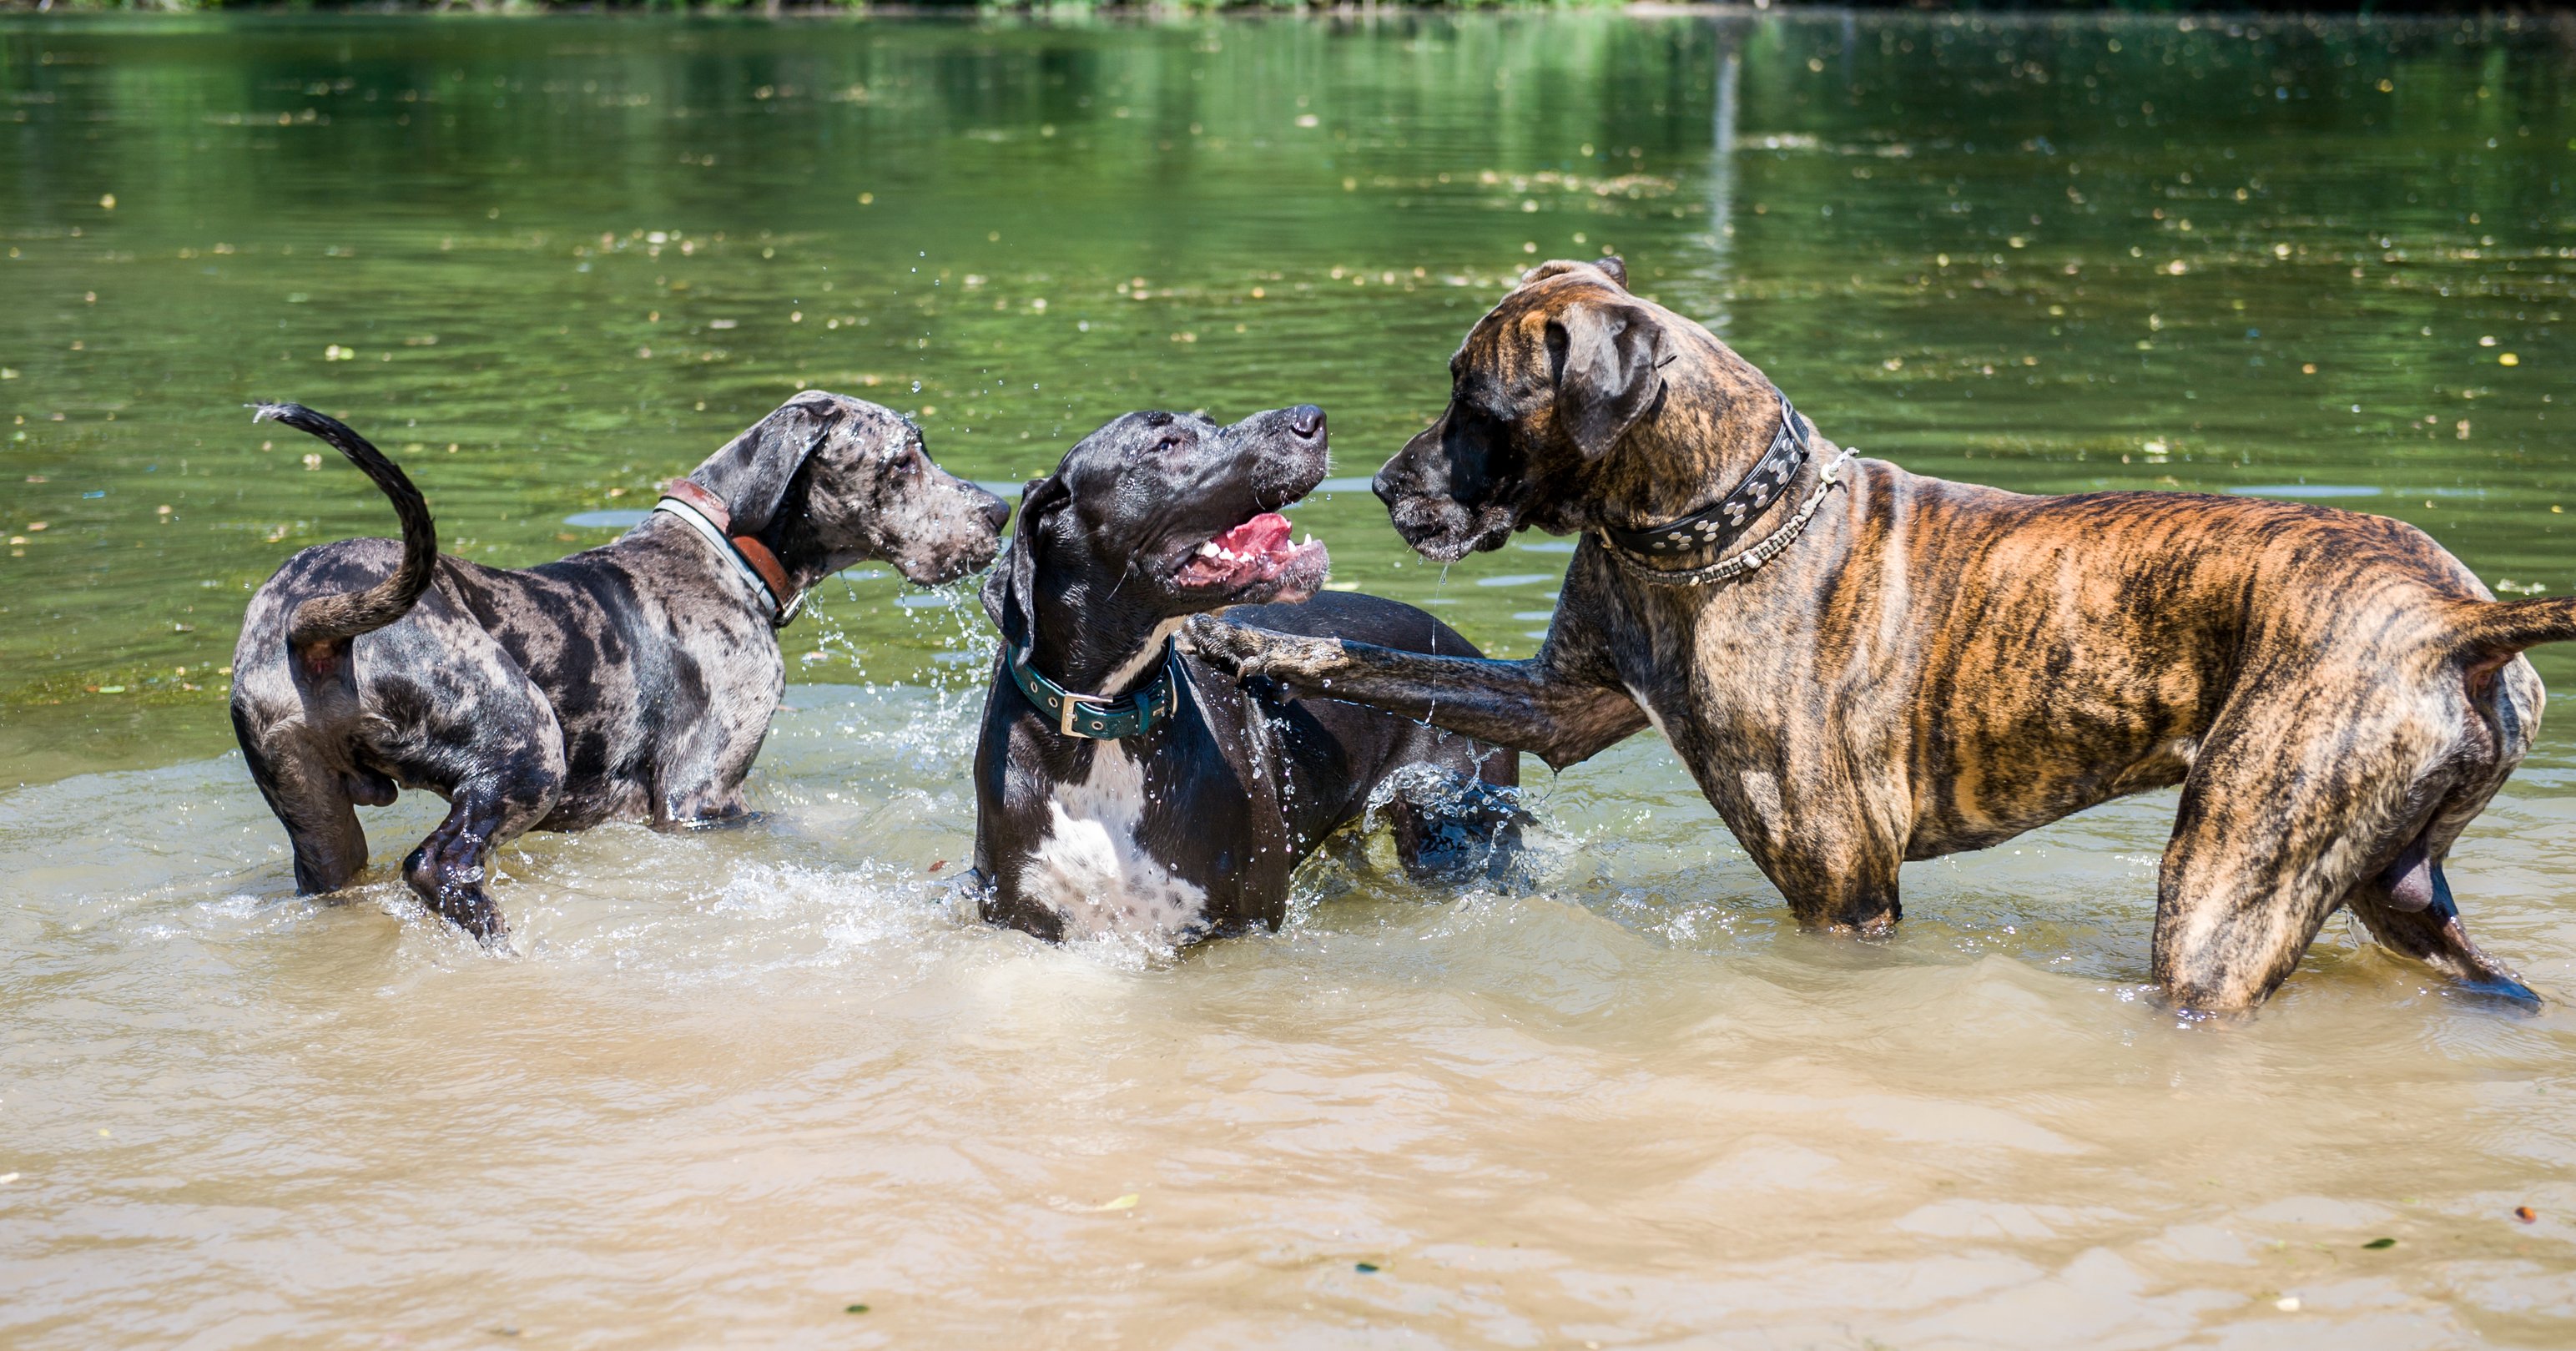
(1520, 705)
(699, 769)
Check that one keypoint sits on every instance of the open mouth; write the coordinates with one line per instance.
(1253, 553)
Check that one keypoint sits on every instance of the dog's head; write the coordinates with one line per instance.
(829, 481)
(1168, 514)
(1542, 390)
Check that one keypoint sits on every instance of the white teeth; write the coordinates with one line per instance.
(1209, 550)
(1310, 538)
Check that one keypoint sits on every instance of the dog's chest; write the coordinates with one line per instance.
(1092, 865)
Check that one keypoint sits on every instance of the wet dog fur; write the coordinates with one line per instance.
(1191, 828)
(632, 682)
(1936, 667)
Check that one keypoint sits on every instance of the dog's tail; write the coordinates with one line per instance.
(2500, 629)
(327, 622)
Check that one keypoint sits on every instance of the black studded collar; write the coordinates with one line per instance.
(1718, 526)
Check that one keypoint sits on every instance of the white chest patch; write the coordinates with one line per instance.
(1654, 719)
(1090, 868)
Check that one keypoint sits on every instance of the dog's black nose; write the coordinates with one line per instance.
(1306, 420)
(996, 512)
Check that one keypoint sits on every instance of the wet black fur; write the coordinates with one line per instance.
(1245, 781)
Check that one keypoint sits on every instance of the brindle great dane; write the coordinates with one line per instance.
(1928, 667)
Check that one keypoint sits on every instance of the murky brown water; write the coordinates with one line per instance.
(735, 1083)
(738, 1082)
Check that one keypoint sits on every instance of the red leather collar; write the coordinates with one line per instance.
(708, 504)
(763, 562)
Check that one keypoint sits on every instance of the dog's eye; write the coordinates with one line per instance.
(1167, 445)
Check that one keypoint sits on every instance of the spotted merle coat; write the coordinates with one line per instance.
(630, 682)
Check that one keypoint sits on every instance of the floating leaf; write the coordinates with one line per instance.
(856, 1308)
(1364, 1268)
(2378, 1243)
(2525, 1214)
(1127, 1202)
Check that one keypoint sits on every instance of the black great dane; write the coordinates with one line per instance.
(632, 682)
(1122, 787)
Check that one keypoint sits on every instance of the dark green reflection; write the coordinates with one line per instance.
(2050, 255)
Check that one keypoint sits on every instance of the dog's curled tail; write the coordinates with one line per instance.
(2500, 629)
(323, 624)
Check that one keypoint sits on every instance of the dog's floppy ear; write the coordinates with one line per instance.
(1608, 265)
(752, 473)
(1010, 593)
(1607, 360)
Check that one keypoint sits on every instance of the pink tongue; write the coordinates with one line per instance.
(1260, 535)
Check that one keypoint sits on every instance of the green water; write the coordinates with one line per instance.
(550, 261)
(735, 1085)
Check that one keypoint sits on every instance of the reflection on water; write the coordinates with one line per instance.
(550, 262)
(735, 1082)
(2296, 491)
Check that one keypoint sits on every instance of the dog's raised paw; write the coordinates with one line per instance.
(1231, 648)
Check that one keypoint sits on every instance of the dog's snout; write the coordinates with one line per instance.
(997, 512)
(1306, 421)
(1395, 478)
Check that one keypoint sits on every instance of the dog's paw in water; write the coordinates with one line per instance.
(1453, 828)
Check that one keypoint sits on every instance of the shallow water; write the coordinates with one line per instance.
(736, 1082)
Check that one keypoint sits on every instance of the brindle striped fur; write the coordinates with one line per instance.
(1935, 667)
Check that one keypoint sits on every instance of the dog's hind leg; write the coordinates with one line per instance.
(321, 824)
(2407, 906)
(312, 801)
(2431, 932)
(485, 811)
(2295, 799)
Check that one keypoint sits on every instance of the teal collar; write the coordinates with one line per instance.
(1090, 715)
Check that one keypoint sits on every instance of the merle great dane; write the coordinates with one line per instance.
(1124, 788)
(1863, 666)
(630, 682)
